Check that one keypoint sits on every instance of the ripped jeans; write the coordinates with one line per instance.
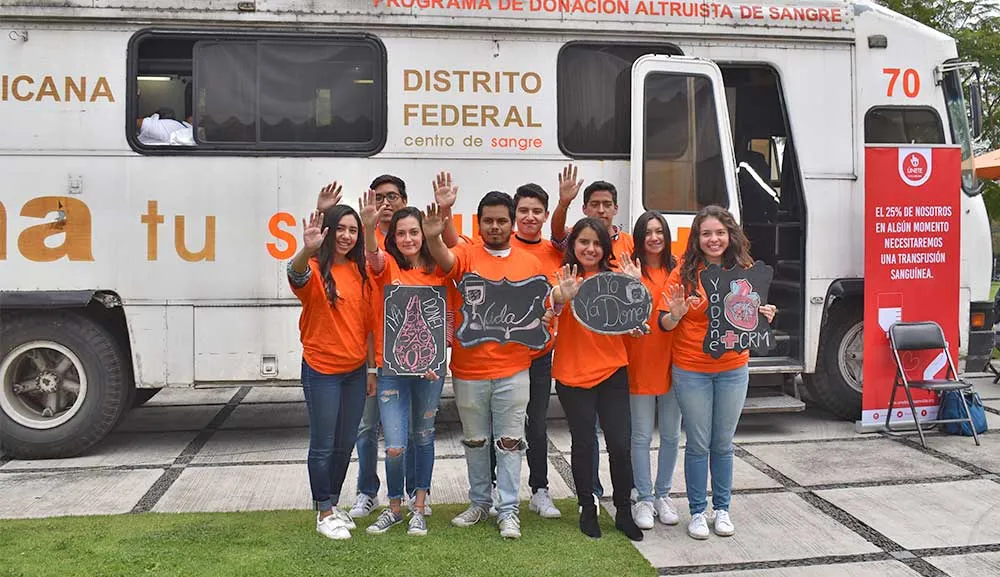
(494, 409)
(400, 400)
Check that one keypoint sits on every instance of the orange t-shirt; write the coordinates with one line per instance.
(335, 338)
(380, 238)
(489, 360)
(583, 358)
(689, 336)
(623, 243)
(551, 259)
(649, 355)
(391, 275)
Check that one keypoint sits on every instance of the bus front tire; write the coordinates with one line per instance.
(63, 384)
(837, 383)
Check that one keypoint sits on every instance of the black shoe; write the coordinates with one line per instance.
(625, 524)
(588, 522)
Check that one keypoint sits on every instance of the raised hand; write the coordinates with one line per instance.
(434, 223)
(569, 186)
(768, 311)
(329, 196)
(678, 303)
(569, 282)
(368, 208)
(313, 232)
(632, 268)
(445, 193)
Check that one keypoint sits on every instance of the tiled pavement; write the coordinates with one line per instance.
(812, 497)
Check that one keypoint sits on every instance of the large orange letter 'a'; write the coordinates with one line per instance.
(76, 227)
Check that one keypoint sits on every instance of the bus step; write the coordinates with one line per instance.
(772, 403)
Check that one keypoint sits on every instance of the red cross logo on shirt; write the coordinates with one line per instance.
(729, 339)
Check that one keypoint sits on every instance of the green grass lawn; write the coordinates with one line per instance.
(286, 543)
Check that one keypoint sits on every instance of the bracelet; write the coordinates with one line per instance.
(372, 371)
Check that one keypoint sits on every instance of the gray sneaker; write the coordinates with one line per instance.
(470, 516)
(510, 526)
(385, 521)
(418, 525)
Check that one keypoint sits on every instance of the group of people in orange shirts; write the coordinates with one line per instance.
(620, 384)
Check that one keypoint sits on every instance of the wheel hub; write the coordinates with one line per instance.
(48, 382)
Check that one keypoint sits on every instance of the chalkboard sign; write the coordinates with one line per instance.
(734, 299)
(612, 303)
(503, 311)
(415, 324)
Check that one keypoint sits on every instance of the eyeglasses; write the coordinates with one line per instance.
(391, 197)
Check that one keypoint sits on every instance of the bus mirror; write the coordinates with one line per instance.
(976, 104)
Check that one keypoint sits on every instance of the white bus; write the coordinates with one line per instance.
(128, 266)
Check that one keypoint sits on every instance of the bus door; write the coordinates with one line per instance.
(682, 149)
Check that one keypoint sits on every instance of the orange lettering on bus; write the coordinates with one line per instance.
(74, 225)
(207, 252)
(273, 226)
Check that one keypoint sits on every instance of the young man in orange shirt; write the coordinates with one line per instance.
(531, 209)
(491, 380)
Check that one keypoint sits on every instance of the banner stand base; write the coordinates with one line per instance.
(902, 426)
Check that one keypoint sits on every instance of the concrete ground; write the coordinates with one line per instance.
(812, 497)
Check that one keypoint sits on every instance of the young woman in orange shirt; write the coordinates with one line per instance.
(651, 397)
(709, 391)
(592, 381)
(328, 276)
(406, 403)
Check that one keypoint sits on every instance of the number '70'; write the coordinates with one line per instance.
(911, 81)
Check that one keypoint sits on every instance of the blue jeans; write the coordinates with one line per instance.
(494, 409)
(668, 413)
(368, 482)
(335, 404)
(711, 404)
(408, 404)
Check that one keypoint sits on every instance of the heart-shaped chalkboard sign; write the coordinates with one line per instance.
(734, 299)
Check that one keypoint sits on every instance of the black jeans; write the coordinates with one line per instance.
(608, 401)
(540, 376)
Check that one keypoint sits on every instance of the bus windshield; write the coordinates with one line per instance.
(960, 134)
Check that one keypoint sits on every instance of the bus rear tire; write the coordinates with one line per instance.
(836, 384)
(63, 384)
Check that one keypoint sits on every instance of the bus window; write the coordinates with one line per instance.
(959, 121)
(903, 125)
(279, 94)
(682, 156)
(594, 97)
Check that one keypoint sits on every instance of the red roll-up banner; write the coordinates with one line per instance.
(912, 268)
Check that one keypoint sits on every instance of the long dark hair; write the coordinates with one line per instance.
(390, 240)
(737, 253)
(331, 219)
(667, 259)
(602, 236)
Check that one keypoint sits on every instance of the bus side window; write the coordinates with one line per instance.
(903, 125)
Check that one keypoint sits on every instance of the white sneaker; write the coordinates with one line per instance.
(642, 514)
(470, 516)
(344, 518)
(363, 506)
(332, 528)
(723, 524)
(665, 511)
(541, 503)
(698, 527)
(510, 526)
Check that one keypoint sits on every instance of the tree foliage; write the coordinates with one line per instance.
(975, 26)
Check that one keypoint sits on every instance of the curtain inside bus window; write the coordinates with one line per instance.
(317, 92)
(593, 84)
(959, 122)
(682, 158)
(226, 88)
